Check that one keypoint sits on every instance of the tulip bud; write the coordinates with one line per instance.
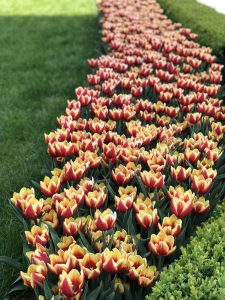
(161, 244)
(105, 220)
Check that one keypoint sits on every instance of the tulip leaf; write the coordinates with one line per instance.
(35, 184)
(111, 296)
(54, 236)
(127, 294)
(141, 184)
(94, 294)
(16, 286)
(10, 262)
(85, 241)
(47, 291)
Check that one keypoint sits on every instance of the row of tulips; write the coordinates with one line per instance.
(138, 162)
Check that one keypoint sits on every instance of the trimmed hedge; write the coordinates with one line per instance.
(203, 20)
(200, 271)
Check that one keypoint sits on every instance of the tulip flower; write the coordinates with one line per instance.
(51, 218)
(71, 225)
(31, 207)
(23, 195)
(65, 208)
(50, 186)
(181, 206)
(147, 217)
(171, 225)
(35, 275)
(39, 256)
(91, 264)
(76, 195)
(200, 205)
(105, 220)
(37, 235)
(200, 184)
(75, 170)
(152, 180)
(147, 276)
(192, 155)
(142, 203)
(66, 242)
(71, 284)
(87, 184)
(95, 199)
(135, 263)
(180, 174)
(114, 260)
(122, 175)
(161, 244)
(123, 203)
(60, 262)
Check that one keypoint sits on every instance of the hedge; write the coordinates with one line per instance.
(203, 20)
(200, 271)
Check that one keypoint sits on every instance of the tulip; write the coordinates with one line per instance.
(122, 236)
(147, 217)
(71, 225)
(95, 199)
(110, 150)
(147, 275)
(152, 180)
(75, 170)
(97, 240)
(105, 220)
(66, 242)
(65, 208)
(135, 263)
(87, 184)
(114, 261)
(71, 284)
(60, 262)
(23, 195)
(50, 186)
(123, 203)
(77, 253)
(37, 235)
(143, 203)
(35, 275)
(180, 174)
(200, 184)
(171, 225)
(161, 244)
(192, 155)
(51, 218)
(91, 264)
(39, 256)
(200, 205)
(75, 195)
(181, 206)
(31, 208)
(91, 157)
(122, 175)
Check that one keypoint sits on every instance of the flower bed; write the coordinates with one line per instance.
(138, 162)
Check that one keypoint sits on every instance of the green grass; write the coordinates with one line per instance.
(44, 48)
(203, 20)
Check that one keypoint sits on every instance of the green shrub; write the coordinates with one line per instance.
(200, 271)
(203, 20)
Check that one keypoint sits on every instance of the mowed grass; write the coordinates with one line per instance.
(44, 48)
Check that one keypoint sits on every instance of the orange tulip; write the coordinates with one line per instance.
(23, 195)
(161, 244)
(105, 220)
(181, 206)
(114, 261)
(180, 174)
(51, 218)
(171, 225)
(152, 180)
(91, 264)
(60, 262)
(39, 256)
(96, 199)
(71, 284)
(71, 225)
(122, 175)
(192, 155)
(66, 242)
(87, 184)
(35, 275)
(200, 205)
(142, 203)
(200, 184)
(31, 207)
(37, 235)
(50, 186)
(147, 275)
(74, 170)
(147, 217)
(135, 263)
(123, 203)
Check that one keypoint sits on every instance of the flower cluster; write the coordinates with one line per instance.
(136, 157)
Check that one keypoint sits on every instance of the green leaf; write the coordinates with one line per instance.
(94, 294)
(85, 241)
(47, 291)
(10, 262)
(54, 236)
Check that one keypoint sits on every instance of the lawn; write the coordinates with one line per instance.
(44, 48)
